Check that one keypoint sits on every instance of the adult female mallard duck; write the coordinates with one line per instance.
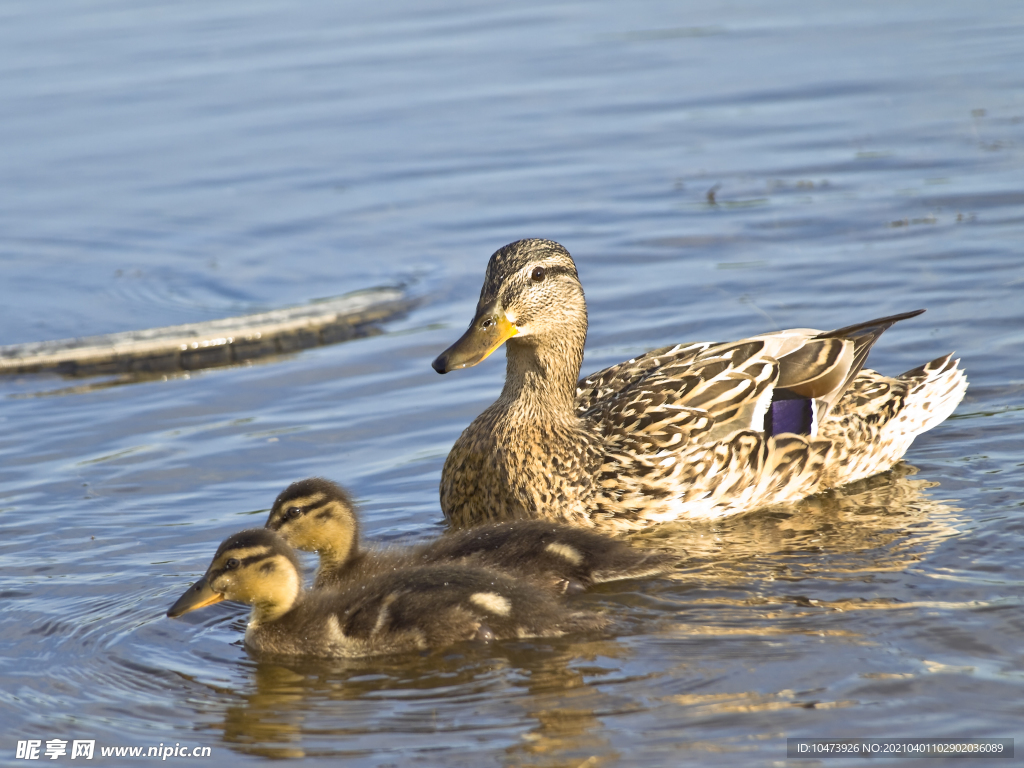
(413, 608)
(689, 431)
(317, 515)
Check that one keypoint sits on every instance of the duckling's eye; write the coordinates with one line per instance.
(537, 275)
(292, 512)
(231, 564)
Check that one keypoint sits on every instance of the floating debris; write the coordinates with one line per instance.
(226, 341)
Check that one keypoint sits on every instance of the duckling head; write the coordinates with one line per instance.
(531, 298)
(254, 567)
(316, 515)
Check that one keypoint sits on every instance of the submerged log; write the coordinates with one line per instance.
(216, 342)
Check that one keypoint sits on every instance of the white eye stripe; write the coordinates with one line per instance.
(246, 554)
(303, 501)
(552, 268)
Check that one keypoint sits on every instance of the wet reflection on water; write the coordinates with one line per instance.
(284, 705)
(883, 523)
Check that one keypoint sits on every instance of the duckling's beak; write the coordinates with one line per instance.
(489, 330)
(198, 595)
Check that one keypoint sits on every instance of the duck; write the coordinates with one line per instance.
(418, 608)
(691, 431)
(318, 515)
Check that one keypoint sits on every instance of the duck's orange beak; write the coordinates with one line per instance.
(199, 595)
(488, 331)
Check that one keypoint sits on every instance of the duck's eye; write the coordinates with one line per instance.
(538, 274)
(232, 563)
(487, 323)
(292, 512)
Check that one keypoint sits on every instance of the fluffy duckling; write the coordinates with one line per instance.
(406, 609)
(316, 515)
(697, 430)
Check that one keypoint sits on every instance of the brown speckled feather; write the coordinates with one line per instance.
(694, 430)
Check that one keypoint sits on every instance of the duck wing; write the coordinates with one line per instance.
(608, 382)
(773, 383)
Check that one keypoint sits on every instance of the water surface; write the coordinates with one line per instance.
(716, 170)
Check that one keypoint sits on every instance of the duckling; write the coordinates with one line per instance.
(317, 515)
(406, 609)
(693, 431)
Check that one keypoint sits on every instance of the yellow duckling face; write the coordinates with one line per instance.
(316, 515)
(531, 289)
(253, 567)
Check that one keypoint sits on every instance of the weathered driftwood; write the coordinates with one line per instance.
(217, 342)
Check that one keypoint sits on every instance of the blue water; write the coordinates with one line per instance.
(717, 170)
